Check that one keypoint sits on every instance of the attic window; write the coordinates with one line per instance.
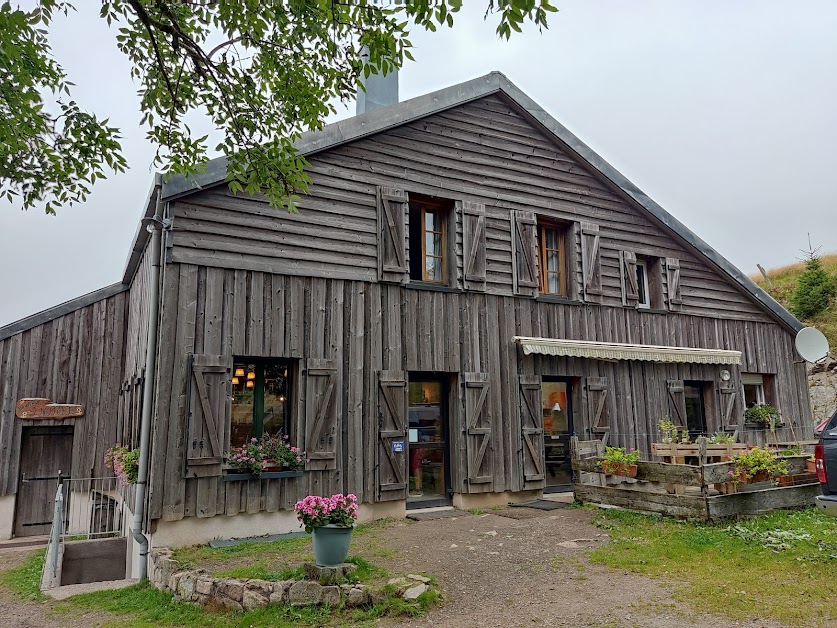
(428, 239)
(553, 258)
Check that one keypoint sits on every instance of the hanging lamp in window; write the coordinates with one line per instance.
(251, 375)
(250, 383)
(235, 381)
(239, 372)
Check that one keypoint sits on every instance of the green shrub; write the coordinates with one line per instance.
(814, 291)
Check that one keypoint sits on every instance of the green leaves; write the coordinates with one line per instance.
(260, 73)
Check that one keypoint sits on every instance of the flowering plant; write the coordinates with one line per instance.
(316, 512)
(755, 460)
(279, 450)
(249, 457)
(763, 414)
(124, 462)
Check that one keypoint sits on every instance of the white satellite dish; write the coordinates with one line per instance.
(811, 344)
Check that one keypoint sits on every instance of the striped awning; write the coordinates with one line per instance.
(623, 351)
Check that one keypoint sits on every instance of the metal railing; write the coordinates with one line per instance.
(94, 508)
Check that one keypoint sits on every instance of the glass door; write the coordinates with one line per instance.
(556, 394)
(428, 446)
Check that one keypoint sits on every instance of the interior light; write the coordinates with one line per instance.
(239, 372)
(282, 398)
(235, 380)
(251, 375)
(250, 384)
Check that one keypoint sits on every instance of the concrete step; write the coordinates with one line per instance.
(25, 542)
(68, 590)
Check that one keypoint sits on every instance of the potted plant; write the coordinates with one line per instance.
(280, 454)
(757, 465)
(811, 464)
(124, 462)
(762, 415)
(330, 520)
(617, 461)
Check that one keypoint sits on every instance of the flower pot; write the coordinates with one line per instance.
(785, 480)
(761, 476)
(811, 465)
(331, 544)
(615, 468)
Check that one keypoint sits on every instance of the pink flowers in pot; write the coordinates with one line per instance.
(256, 455)
(338, 510)
(124, 462)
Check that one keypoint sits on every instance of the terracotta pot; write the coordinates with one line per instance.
(761, 476)
(812, 466)
(615, 468)
(784, 480)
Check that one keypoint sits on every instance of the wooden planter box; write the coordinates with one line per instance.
(233, 475)
(626, 470)
(761, 476)
(678, 452)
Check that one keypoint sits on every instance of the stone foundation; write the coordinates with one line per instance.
(319, 587)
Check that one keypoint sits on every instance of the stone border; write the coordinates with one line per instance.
(199, 587)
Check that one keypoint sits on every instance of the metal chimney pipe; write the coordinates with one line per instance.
(381, 91)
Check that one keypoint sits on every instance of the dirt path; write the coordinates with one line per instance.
(529, 570)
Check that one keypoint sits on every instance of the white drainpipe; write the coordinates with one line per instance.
(155, 227)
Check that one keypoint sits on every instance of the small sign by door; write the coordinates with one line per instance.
(398, 446)
(45, 409)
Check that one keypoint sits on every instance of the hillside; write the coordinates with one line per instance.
(784, 281)
(822, 379)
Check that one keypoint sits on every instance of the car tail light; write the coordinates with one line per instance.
(819, 456)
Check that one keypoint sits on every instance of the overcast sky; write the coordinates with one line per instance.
(723, 111)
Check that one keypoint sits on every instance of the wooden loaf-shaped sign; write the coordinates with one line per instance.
(45, 409)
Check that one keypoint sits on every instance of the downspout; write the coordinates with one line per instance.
(155, 226)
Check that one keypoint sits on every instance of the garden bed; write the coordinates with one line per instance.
(688, 491)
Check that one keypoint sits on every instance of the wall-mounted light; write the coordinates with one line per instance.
(250, 384)
(251, 375)
(282, 398)
(725, 375)
(239, 372)
(235, 381)
(556, 407)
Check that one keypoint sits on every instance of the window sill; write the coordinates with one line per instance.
(232, 476)
(549, 298)
(430, 286)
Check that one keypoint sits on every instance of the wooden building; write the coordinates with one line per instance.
(465, 286)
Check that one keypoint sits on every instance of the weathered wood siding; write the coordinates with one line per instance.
(483, 152)
(75, 358)
(364, 328)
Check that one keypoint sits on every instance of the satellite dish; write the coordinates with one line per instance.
(811, 344)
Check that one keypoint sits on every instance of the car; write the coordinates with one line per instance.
(825, 454)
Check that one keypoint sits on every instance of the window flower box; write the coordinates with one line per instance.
(233, 475)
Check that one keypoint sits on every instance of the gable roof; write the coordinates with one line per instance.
(368, 124)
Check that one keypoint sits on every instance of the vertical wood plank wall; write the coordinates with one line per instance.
(76, 358)
(367, 327)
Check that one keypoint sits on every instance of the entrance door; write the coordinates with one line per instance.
(428, 444)
(45, 452)
(556, 396)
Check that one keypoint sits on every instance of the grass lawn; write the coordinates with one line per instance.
(25, 579)
(781, 566)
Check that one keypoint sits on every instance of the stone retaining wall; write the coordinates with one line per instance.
(198, 586)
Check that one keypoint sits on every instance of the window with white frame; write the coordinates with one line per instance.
(753, 385)
(644, 299)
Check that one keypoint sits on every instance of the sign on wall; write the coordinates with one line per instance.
(45, 409)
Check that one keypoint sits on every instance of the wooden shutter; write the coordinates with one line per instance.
(392, 229)
(473, 239)
(524, 253)
(208, 414)
(673, 280)
(729, 393)
(677, 402)
(531, 423)
(321, 404)
(478, 428)
(597, 399)
(591, 261)
(630, 288)
(392, 435)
